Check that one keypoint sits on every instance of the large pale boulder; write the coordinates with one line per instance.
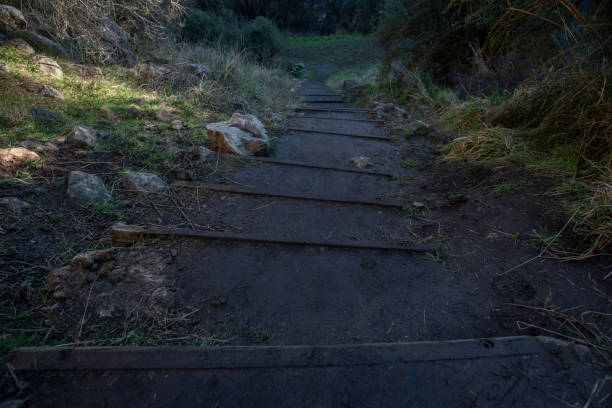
(145, 183)
(49, 66)
(86, 188)
(242, 134)
(16, 155)
(82, 137)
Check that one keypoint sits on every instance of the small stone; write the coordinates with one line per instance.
(176, 124)
(22, 46)
(43, 90)
(86, 187)
(199, 153)
(13, 204)
(418, 204)
(82, 137)
(360, 162)
(45, 115)
(49, 66)
(4, 68)
(145, 183)
(46, 147)
(91, 277)
(16, 155)
(173, 253)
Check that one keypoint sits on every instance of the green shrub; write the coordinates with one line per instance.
(262, 38)
(212, 26)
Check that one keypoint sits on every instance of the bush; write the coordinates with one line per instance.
(262, 38)
(212, 26)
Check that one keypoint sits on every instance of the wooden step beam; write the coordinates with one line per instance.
(326, 132)
(319, 167)
(325, 101)
(307, 197)
(338, 119)
(128, 235)
(335, 110)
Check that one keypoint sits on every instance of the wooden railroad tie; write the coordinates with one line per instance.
(307, 197)
(337, 110)
(324, 101)
(318, 167)
(338, 119)
(326, 132)
(128, 235)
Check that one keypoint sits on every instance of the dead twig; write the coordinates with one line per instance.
(181, 211)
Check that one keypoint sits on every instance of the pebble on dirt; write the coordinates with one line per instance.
(176, 125)
(145, 183)
(242, 134)
(86, 188)
(82, 137)
(360, 162)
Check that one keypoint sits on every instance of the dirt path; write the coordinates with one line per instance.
(290, 295)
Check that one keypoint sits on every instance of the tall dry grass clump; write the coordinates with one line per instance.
(86, 27)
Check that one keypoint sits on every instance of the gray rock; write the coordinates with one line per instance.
(37, 147)
(242, 134)
(40, 43)
(86, 188)
(13, 204)
(49, 66)
(12, 17)
(200, 153)
(176, 125)
(45, 115)
(113, 40)
(145, 183)
(4, 68)
(82, 137)
(22, 46)
(43, 90)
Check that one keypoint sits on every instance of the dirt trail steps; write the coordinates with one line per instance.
(336, 283)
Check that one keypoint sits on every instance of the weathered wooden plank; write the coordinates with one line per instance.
(308, 197)
(338, 119)
(127, 235)
(320, 167)
(327, 132)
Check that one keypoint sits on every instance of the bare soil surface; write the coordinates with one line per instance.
(484, 221)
